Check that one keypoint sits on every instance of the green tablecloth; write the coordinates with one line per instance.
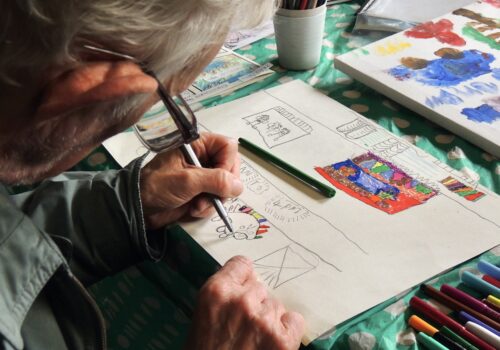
(149, 306)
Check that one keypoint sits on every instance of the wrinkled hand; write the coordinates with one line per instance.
(235, 312)
(172, 189)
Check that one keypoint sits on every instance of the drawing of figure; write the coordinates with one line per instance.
(452, 68)
(247, 224)
(261, 119)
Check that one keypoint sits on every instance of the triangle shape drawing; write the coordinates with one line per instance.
(282, 266)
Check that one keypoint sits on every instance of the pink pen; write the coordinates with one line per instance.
(471, 302)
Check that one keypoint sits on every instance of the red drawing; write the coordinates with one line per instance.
(440, 30)
(377, 182)
(495, 3)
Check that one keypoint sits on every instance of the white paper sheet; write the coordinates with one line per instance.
(331, 259)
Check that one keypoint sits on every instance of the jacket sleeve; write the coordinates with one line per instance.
(96, 218)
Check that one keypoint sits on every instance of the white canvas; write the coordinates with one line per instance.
(451, 76)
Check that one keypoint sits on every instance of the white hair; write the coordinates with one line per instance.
(167, 34)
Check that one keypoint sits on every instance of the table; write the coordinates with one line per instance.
(149, 306)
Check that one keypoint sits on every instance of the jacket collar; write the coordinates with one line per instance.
(28, 259)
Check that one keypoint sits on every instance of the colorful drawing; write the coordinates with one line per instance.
(462, 190)
(224, 69)
(452, 68)
(482, 114)
(483, 29)
(495, 3)
(247, 224)
(441, 30)
(377, 182)
(391, 47)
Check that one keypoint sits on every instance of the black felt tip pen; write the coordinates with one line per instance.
(289, 169)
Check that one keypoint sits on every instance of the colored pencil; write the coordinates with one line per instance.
(465, 317)
(441, 319)
(456, 338)
(470, 301)
(430, 343)
(289, 169)
(456, 305)
(420, 325)
(491, 280)
(478, 284)
(489, 269)
(484, 334)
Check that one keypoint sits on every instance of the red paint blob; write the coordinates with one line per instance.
(441, 30)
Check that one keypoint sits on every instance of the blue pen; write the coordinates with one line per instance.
(465, 317)
(489, 269)
(478, 284)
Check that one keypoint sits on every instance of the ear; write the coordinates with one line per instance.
(92, 83)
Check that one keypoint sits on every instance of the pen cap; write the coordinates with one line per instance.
(489, 269)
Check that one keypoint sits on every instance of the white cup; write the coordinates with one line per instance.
(299, 35)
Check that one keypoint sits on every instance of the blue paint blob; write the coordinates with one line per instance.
(365, 180)
(482, 114)
(449, 71)
(496, 73)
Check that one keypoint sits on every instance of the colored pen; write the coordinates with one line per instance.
(491, 280)
(471, 302)
(289, 169)
(465, 317)
(456, 338)
(420, 325)
(430, 343)
(482, 286)
(493, 301)
(489, 269)
(441, 319)
(457, 306)
(484, 334)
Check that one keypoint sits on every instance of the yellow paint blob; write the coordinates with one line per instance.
(390, 48)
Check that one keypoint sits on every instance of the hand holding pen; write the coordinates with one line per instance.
(173, 189)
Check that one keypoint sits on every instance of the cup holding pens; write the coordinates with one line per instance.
(299, 35)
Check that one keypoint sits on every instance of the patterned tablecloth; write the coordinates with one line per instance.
(149, 306)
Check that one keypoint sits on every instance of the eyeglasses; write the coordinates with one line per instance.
(158, 133)
(161, 129)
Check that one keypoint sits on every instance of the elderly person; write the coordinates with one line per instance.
(59, 101)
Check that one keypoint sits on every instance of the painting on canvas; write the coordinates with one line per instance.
(447, 70)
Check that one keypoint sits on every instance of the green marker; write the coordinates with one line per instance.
(429, 342)
(456, 338)
(291, 170)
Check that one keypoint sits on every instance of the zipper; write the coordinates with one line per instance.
(101, 334)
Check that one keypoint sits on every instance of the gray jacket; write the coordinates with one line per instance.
(68, 233)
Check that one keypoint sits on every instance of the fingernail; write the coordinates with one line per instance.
(237, 186)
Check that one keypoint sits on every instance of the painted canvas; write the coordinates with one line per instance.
(447, 70)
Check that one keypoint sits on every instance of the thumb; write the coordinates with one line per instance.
(294, 324)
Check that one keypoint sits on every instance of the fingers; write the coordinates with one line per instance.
(238, 312)
(237, 270)
(294, 324)
(215, 181)
(219, 151)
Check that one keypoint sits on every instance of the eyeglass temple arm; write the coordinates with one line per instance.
(188, 130)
